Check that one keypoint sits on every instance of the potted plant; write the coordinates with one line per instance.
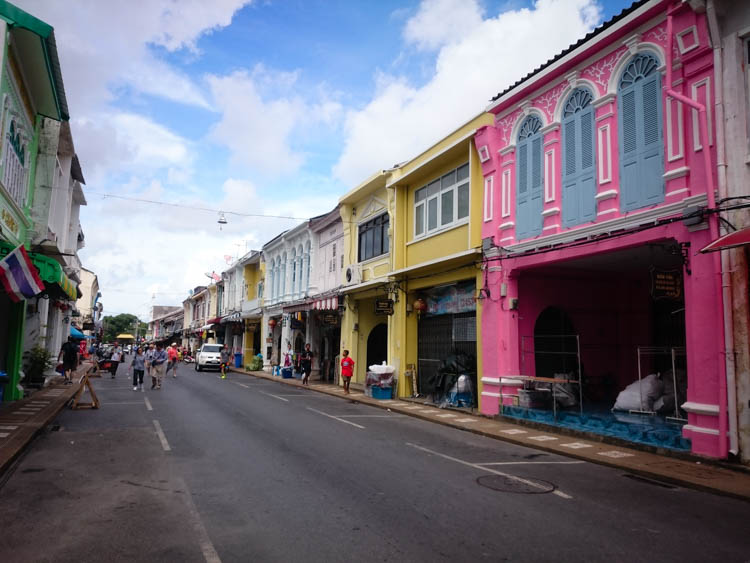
(37, 361)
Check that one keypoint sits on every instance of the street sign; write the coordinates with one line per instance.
(666, 284)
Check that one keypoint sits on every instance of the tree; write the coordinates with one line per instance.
(123, 323)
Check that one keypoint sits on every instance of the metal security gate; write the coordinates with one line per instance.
(439, 337)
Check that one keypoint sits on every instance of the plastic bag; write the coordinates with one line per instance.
(640, 395)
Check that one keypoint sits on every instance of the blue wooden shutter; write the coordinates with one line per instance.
(579, 183)
(529, 179)
(536, 189)
(640, 136)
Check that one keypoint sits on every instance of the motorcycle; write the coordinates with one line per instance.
(188, 359)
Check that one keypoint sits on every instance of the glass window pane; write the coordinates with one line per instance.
(420, 194)
(463, 201)
(433, 188)
(446, 207)
(369, 248)
(448, 180)
(377, 241)
(432, 214)
(462, 172)
(361, 244)
(419, 220)
(385, 234)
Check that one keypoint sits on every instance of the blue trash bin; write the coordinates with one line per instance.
(238, 360)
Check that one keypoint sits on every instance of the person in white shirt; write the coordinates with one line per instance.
(115, 360)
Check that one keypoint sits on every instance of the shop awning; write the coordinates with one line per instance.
(206, 327)
(215, 320)
(732, 240)
(125, 336)
(56, 283)
(298, 307)
(235, 317)
(75, 333)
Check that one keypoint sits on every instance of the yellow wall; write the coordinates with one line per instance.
(253, 275)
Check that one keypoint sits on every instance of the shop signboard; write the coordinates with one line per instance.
(384, 306)
(666, 284)
(331, 319)
(451, 299)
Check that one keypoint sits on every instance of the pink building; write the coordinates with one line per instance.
(598, 176)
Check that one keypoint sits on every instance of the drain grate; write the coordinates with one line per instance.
(517, 485)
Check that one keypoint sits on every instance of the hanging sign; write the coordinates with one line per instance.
(384, 306)
(666, 284)
(331, 319)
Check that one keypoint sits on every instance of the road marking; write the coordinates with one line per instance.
(335, 418)
(615, 454)
(446, 415)
(8, 427)
(162, 437)
(542, 438)
(576, 445)
(4, 434)
(526, 482)
(207, 547)
(532, 463)
(275, 396)
(241, 384)
(514, 431)
(465, 420)
(148, 404)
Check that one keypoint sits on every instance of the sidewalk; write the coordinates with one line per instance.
(694, 473)
(22, 420)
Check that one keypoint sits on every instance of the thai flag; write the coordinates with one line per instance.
(19, 276)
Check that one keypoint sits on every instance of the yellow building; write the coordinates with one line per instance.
(367, 219)
(252, 304)
(436, 261)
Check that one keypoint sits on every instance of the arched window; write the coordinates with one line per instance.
(307, 266)
(282, 277)
(578, 166)
(640, 133)
(529, 179)
(271, 275)
(294, 272)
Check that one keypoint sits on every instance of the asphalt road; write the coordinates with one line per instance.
(250, 470)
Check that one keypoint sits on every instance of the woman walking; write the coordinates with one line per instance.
(138, 365)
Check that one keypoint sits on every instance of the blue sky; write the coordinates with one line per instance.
(271, 107)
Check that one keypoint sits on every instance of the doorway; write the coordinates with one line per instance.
(377, 345)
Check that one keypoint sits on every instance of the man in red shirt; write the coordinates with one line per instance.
(172, 359)
(347, 370)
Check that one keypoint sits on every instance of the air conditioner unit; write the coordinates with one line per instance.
(353, 275)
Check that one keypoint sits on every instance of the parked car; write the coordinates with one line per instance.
(209, 356)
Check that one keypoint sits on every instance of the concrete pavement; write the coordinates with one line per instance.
(22, 420)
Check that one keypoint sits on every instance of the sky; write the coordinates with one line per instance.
(267, 107)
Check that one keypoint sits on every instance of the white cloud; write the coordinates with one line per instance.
(402, 119)
(261, 114)
(441, 22)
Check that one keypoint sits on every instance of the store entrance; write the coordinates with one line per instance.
(377, 345)
(603, 340)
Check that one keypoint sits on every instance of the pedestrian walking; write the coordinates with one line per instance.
(149, 354)
(173, 357)
(158, 363)
(306, 363)
(226, 357)
(347, 370)
(115, 360)
(69, 355)
(138, 365)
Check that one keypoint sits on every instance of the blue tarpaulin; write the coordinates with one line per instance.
(75, 333)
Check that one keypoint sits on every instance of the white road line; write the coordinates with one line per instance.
(465, 420)
(8, 427)
(162, 437)
(4, 434)
(531, 484)
(542, 438)
(532, 463)
(241, 384)
(335, 417)
(447, 415)
(207, 547)
(275, 396)
(514, 431)
(148, 404)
